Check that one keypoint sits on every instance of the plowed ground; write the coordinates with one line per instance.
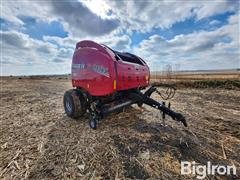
(39, 141)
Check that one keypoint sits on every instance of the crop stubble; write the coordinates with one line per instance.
(39, 141)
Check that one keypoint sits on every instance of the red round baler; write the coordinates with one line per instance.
(102, 71)
(107, 81)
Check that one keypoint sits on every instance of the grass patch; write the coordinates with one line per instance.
(224, 84)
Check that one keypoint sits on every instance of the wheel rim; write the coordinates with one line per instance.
(68, 105)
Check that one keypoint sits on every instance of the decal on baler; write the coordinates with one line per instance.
(96, 68)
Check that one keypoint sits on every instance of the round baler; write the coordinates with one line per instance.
(106, 81)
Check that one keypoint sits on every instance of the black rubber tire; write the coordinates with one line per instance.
(74, 104)
(140, 104)
(93, 123)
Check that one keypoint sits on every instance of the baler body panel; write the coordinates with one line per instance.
(93, 71)
(131, 75)
(96, 69)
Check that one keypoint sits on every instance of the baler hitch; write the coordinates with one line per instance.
(134, 97)
(161, 106)
(146, 99)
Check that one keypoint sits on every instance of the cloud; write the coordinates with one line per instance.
(120, 43)
(141, 16)
(214, 22)
(81, 21)
(215, 7)
(21, 54)
(77, 19)
(62, 42)
(18, 48)
(14, 39)
(12, 11)
(145, 15)
(199, 50)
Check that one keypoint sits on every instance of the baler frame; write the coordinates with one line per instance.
(98, 109)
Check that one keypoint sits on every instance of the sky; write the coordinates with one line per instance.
(39, 36)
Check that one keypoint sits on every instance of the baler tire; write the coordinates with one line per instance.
(140, 104)
(93, 120)
(93, 123)
(72, 104)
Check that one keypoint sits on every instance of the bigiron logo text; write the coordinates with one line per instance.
(201, 171)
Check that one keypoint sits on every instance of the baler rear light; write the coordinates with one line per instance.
(147, 78)
(115, 84)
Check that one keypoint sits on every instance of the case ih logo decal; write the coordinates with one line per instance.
(96, 68)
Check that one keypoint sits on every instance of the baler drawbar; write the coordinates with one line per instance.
(107, 81)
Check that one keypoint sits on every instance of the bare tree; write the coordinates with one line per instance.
(176, 71)
(168, 71)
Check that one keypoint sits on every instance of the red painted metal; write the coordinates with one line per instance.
(96, 69)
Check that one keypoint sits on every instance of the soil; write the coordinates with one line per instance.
(38, 140)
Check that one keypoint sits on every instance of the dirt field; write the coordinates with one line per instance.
(38, 140)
